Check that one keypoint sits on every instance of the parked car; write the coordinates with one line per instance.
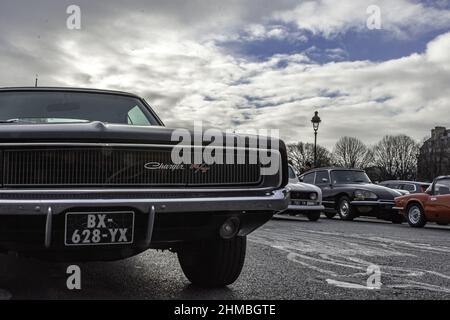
(406, 187)
(433, 205)
(350, 193)
(88, 175)
(306, 199)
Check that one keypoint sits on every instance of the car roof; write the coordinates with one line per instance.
(331, 169)
(442, 177)
(67, 89)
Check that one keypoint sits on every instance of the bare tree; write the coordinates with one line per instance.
(396, 157)
(350, 152)
(301, 156)
(433, 159)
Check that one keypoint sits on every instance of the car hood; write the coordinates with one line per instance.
(305, 187)
(95, 131)
(383, 193)
(300, 186)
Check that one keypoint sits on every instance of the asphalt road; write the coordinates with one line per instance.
(286, 259)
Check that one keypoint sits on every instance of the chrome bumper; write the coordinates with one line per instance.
(273, 201)
(374, 203)
(306, 208)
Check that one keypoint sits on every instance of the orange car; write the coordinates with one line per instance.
(431, 206)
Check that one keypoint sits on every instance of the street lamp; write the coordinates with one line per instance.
(316, 122)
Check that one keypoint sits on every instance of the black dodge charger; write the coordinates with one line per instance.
(89, 175)
(350, 193)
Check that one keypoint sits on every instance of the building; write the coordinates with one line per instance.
(434, 155)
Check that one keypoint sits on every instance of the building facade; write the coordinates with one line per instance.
(434, 155)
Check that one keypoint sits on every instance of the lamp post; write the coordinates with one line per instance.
(315, 122)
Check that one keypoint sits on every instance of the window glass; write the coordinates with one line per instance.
(62, 107)
(309, 178)
(137, 117)
(349, 176)
(322, 177)
(409, 187)
(442, 187)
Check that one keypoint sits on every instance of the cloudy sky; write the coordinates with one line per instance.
(246, 64)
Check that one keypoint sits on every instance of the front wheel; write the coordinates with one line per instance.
(416, 216)
(214, 263)
(345, 209)
(313, 216)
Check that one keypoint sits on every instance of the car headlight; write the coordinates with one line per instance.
(313, 196)
(365, 195)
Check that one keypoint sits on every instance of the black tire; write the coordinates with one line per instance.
(213, 263)
(416, 216)
(313, 216)
(397, 219)
(345, 210)
(330, 215)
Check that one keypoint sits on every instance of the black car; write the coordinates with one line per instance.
(410, 186)
(350, 193)
(89, 175)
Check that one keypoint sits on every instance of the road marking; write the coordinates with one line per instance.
(348, 285)
(347, 256)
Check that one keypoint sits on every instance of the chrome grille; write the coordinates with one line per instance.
(99, 166)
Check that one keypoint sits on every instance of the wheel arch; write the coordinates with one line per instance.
(412, 202)
(338, 197)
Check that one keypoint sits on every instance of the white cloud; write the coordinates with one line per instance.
(401, 18)
(187, 77)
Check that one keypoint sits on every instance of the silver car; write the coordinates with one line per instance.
(306, 199)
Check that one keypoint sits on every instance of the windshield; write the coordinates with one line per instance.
(349, 176)
(66, 107)
(442, 187)
(292, 174)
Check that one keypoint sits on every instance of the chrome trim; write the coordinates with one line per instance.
(105, 144)
(372, 203)
(150, 224)
(398, 208)
(276, 201)
(48, 227)
(125, 190)
(152, 145)
(306, 208)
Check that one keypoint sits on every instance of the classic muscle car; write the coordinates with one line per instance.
(88, 175)
(350, 193)
(433, 205)
(306, 199)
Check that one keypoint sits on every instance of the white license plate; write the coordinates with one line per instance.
(99, 228)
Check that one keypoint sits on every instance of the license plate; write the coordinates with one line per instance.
(99, 228)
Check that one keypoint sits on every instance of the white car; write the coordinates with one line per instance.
(305, 199)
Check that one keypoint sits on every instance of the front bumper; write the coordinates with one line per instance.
(382, 204)
(37, 225)
(383, 209)
(306, 208)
